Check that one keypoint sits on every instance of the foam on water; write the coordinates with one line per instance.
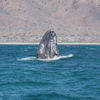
(49, 59)
(27, 58)
(57, 58)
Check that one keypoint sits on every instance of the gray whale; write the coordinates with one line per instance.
(48, 46)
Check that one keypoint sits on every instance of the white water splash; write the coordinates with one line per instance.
(27, 58)
(57, 58)
(49, 59)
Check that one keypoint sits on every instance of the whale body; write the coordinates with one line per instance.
(48, 46)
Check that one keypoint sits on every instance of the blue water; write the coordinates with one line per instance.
(76, 77)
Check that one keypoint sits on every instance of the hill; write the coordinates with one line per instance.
(27, 20)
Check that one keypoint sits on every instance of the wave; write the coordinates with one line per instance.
(49, 59)
(57, 96)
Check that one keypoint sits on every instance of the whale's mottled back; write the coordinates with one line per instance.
(48, 46)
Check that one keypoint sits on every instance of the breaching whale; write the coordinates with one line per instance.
(48, 46)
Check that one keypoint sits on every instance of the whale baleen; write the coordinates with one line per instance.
(48, 46)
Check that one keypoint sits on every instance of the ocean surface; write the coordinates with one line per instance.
(75, 75)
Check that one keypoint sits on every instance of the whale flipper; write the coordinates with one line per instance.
(48, 46)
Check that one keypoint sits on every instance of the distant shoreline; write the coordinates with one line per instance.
(33, 43)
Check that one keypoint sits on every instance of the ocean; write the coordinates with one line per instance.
(75, 75)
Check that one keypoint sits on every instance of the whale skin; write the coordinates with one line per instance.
(48, 46)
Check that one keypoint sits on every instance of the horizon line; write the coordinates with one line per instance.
(59, 43)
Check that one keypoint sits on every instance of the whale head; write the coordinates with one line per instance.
(48, 46)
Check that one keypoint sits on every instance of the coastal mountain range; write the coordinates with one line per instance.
(28, 20)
